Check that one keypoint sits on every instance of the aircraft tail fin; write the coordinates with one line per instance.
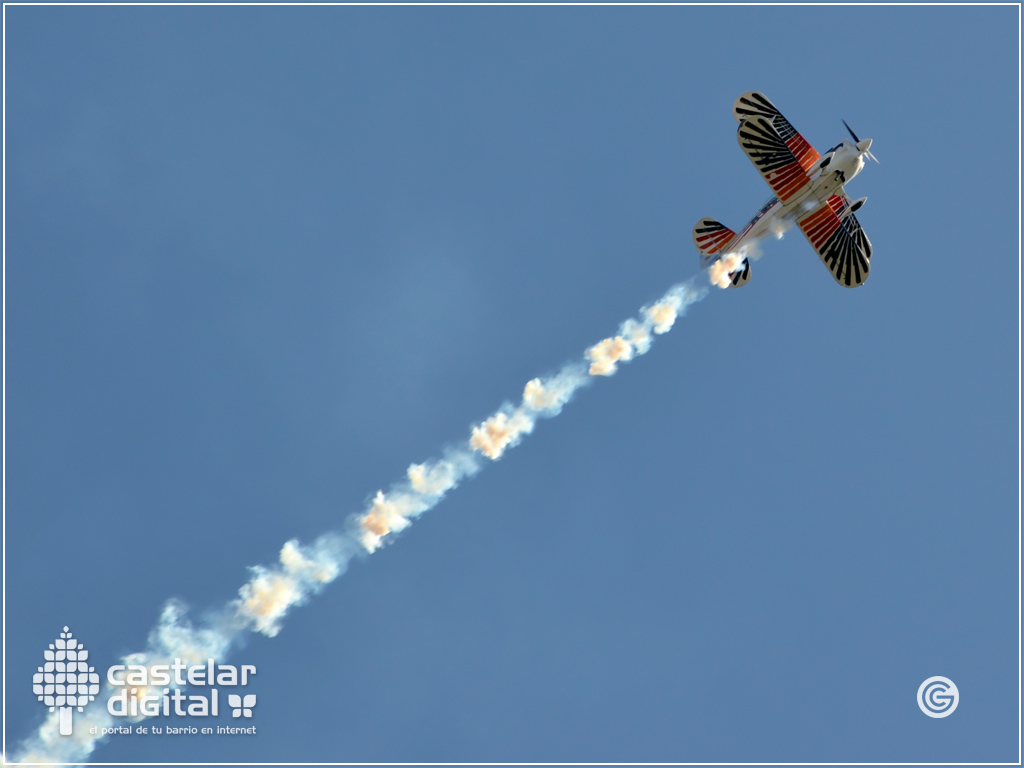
(711, 237)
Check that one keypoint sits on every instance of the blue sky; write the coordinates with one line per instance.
(259, 260)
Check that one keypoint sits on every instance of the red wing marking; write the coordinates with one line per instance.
(787, 180)
(804, 153)
(820, 224)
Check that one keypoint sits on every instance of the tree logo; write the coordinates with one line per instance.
(66, 680)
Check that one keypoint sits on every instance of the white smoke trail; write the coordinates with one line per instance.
(302, 571)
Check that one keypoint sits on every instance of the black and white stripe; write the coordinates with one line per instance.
(751, 105)
(847, 253)
(763, 145)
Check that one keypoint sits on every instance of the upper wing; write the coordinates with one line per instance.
(782, 155)
(837, 236)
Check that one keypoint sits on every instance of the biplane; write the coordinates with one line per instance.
(808, 191)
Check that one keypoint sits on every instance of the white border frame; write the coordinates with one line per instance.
(3, 694)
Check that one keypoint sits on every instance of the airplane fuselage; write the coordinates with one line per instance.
(835, 168)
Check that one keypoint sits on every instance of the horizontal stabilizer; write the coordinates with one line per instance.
(730, 270)
(711, 237)
(741, 276)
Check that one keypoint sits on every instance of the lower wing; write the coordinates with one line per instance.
(837, 236)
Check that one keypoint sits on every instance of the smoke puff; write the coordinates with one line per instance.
(500, 431)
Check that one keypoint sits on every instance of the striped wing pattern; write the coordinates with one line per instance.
(839, 241)
(711, 236)
(772, 158)
(782, 155)
(754, 104)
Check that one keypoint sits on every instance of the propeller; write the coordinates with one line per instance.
(866, 149)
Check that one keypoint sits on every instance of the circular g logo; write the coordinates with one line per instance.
(938, 696)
